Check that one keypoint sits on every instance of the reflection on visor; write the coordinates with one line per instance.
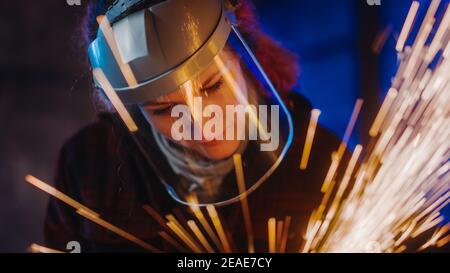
(190, 135)
(223, 107)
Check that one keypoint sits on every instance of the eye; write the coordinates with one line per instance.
(214, 87)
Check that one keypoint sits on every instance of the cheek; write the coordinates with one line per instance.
(222, 97)
(162, 124)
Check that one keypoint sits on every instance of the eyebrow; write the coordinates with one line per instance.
(210, 78)
(161, 103)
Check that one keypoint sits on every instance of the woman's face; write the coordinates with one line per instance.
(221, 83)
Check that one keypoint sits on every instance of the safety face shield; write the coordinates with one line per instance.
(213, 128)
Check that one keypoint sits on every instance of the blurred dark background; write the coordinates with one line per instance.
(41, 105)
(44, 83)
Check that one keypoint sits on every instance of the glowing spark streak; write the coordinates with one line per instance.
(392, 93)
(421, 38)
(407, 26)
(400, 249)
(443, 241)
(338, 156)
(349, 171)
(350, 126)
(114, 99)
(284, 237)
(240, 96)
(35, 248)
(244, 204)
(437, 40)
(200, 236)
(155, 215)
(271, 228)
(184, 236)
(403, 181)
(117, 230)
(435, 237)
(158, 218)
(279, 234)
(187, 238)
(418, 46)
(218, 225)
(54, 192)
(201, 218)
(342, 187)
(315, 113)
(88, 213)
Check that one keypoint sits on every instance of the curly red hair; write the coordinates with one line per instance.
(279, 63)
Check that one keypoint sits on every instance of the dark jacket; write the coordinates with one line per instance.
(101, 168)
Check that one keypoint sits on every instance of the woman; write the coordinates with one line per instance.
(184, 102)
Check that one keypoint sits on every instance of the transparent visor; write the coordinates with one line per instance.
(219, 135)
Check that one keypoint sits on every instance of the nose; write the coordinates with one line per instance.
(207, 121)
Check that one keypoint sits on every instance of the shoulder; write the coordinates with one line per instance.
(300, 110)
(295, 100)
(87, 158)
(325, 142)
